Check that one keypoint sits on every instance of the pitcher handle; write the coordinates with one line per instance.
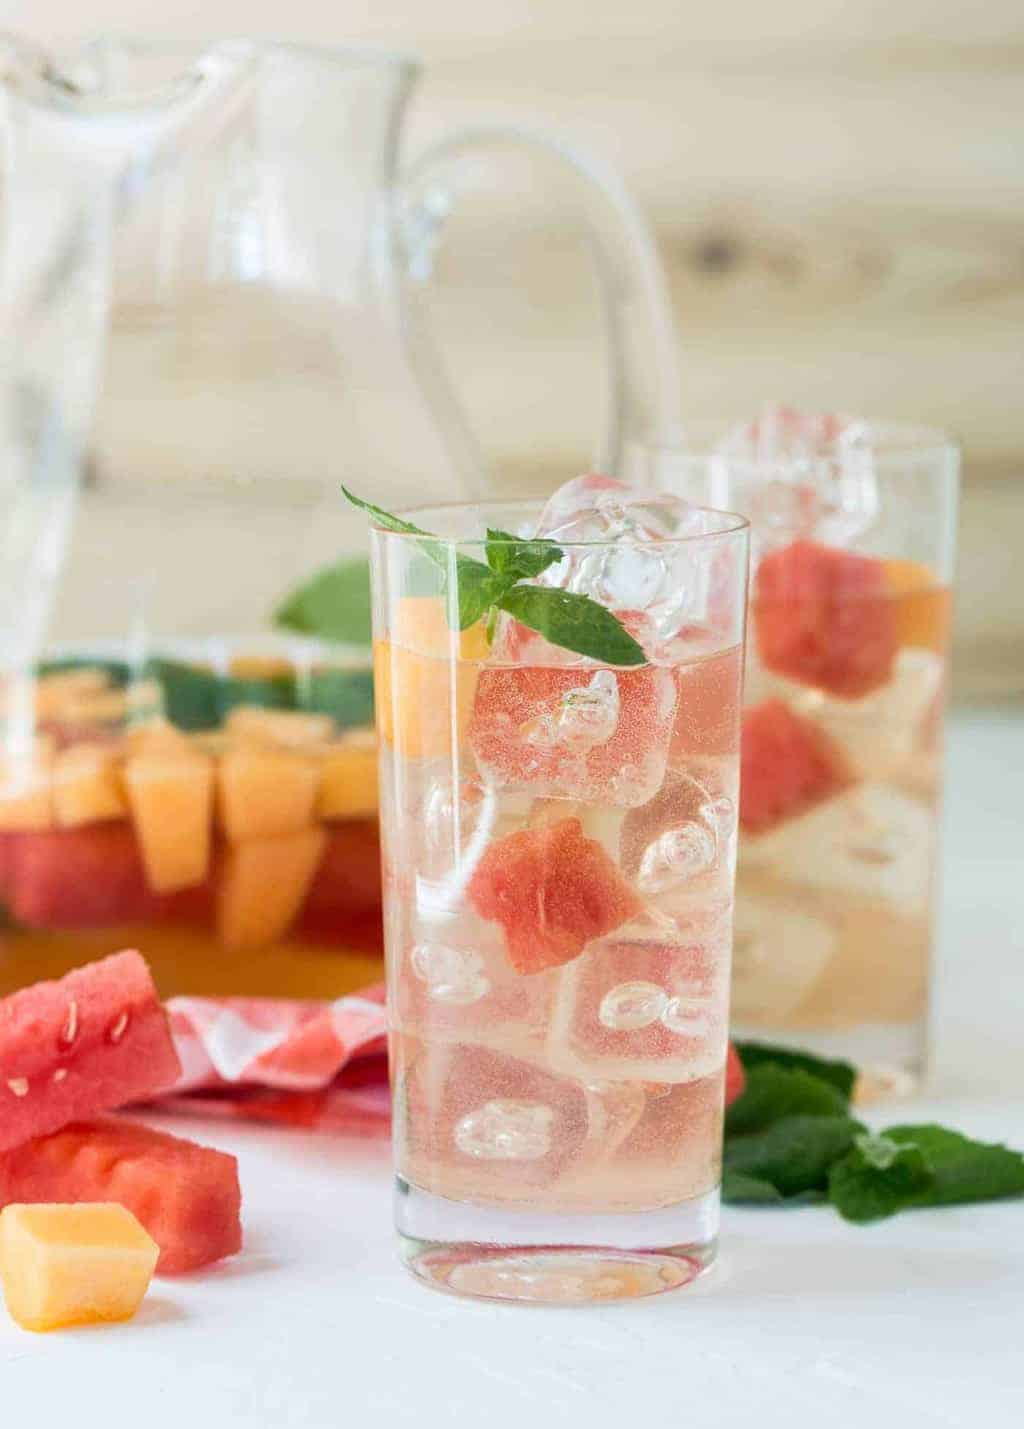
(641, 371)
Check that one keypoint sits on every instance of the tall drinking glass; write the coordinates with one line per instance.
(852, 545)
(558, 836)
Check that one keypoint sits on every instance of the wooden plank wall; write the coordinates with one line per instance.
(838, 194)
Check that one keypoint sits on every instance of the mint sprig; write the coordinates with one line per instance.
(574, 622)
(789, 1139)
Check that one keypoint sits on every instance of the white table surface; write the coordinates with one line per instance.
(804, 1321)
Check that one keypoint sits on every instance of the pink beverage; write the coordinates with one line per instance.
(559, 841)
(852, 531)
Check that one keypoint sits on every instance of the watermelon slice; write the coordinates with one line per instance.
(826, 617)
(186, 1196)
(553, 890)
(95, 1040)
(787, 765)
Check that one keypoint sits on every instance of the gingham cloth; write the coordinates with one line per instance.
(320, 1065)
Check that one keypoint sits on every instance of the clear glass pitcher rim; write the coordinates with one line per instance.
(48, 76)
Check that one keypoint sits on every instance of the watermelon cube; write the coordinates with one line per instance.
(825, 617)
(95, 1040)
(553, 890)
(787, 765)
(186, 1196)
(580, 733)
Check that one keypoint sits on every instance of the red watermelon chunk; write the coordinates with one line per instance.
(91, 1042)
(735, 1078)
(825, 617)
(78, 878)
(787, 765)
(186, 1196)
(553, 890)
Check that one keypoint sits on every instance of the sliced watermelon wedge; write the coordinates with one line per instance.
(787, 765)
(186, 1196)
(826, 618)
(553, 890)
(93, 1041)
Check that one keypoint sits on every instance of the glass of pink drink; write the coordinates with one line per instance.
(852, 542)
(558, 842)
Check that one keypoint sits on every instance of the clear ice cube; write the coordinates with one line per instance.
(643, 1009)
(684, 833)
(452, 975)
(780, 950)
(506, 1130)
(798, 475)
(642, 567)
(580, 719)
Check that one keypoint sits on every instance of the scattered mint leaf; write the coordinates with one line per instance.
(575, 622)
(794, 1154)
(877, 1177)
(524, 559)
(739, 1189)
(774, 1091)
(334, 604)
(840, 1075)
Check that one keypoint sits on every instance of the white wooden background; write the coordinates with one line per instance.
(837, 189)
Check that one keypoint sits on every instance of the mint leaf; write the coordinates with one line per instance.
(523, 559)
(793, 1155)
(334, 604)
(841, 1075)
(876, 1178)
(575, 622)
(477, 586)
(773, 1091)
(963, 1169)
(739, 1189)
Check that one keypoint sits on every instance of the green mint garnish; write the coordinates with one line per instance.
(911, 1166)
(574, 622)
(774, 1091)
(334, 604)
(840, 1075)
(789, 1138)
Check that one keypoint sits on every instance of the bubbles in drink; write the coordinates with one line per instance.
(677, 855)
(632, 1005)
(580, 718)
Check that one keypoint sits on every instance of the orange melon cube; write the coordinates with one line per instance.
(260, 667)
(412, 679)
(157, 737)
(923, 607)
(87, 786)
(73, 1265)
(290, 727)
(348, 778)
(171, 800)
(263, 792)
(264, 884)
(26, 790)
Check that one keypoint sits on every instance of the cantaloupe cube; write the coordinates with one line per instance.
(290, 727)
(263, 887)
(73, 1265)
(263, 792)
(171, 800)
(922, 605)
(157, 736)
(348, 777)
(87, 786)
(412, 678)
(260, 667)
(26, 790)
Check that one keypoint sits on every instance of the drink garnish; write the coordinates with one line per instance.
(573, 622)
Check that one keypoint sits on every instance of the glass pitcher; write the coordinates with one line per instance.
(211, 317)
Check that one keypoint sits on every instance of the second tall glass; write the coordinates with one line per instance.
(559, 839)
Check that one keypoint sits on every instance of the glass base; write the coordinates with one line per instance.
(552, 1258)
(889, 1056)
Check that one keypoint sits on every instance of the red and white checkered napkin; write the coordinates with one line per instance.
(320, 1065)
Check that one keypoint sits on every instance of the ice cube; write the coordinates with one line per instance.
(553, 732)
(780, 950)
(871, 843)
(684, 832)
(649, 1010)
(640, 566)
(452, 975)
(798, 476)
(506, 1130)
(881, 732)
